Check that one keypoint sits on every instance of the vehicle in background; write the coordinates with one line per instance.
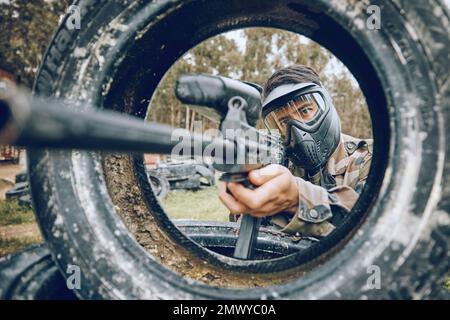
(184, 174)
(7, 81)
(10, 154)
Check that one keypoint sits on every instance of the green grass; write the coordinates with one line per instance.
(196, 205)
(447, 284)
(12, 213)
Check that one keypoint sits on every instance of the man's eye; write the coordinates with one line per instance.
(305, 110)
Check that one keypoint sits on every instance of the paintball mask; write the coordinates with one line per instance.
(307, 120)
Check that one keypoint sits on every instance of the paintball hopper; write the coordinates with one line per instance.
(212, 93)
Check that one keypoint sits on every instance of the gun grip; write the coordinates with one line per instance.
(249, 227)
(248, 236)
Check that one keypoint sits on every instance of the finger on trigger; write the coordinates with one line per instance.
(261, 176)
(242, 194)
(232, 204)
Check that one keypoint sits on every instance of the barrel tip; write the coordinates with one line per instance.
(5, 113)
(14, 107)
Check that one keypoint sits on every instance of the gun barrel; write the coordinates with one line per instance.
(46, 123)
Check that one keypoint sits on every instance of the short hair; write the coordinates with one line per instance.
(296, 73)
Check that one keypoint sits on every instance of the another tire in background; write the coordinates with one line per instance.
(21, 177)
(31, 274)
(159, 183)
(221, 237)
(20, 189)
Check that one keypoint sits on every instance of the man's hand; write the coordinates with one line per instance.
(276, 191)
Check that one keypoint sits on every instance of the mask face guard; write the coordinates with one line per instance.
(310, 144)
(272, 104)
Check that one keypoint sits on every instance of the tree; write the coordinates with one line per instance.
(25, 34)
(266, 50)
(218, 55)
(351, 106)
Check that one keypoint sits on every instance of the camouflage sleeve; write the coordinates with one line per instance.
(363, 172)
(317, 204)
(313, 211)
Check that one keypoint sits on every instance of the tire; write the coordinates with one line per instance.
(160, 184)
(176, 171)
(25, 201)
(221, 237)
(192, 183)
(205, 173)
(98, 211)
(31, 274)
(21, 177)
(19, 190)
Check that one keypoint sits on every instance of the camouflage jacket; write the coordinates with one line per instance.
(320, 201)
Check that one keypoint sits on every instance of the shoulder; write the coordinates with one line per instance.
(356, 146)
(360, 157)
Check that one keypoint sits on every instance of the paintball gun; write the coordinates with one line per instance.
(237, 105)
(52, 123)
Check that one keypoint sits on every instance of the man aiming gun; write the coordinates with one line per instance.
(320, 183)
(326, 169)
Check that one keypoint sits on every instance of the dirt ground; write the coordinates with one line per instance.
(17, 227)
(24, 230)
(16, 237)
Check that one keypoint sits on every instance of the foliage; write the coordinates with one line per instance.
(26, 31)
(197, 205)
(12, 245)
(266, 50)
(18, 228)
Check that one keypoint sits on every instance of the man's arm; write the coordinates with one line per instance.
(302, 207)
(320, 209)
(316, 208)
(276, 191)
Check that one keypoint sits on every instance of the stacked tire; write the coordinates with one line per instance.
(20, 191)
(32, 275)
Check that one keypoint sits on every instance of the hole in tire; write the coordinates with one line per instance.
(185, 198)
(162, 222)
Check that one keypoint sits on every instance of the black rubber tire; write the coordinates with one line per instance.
(160, 184)
(222, 237)
(31, 274)
(20, 189)
(120, 54)
(21, 177)
(25, 201)
(205, 172)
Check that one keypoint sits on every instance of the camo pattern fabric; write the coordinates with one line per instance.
(331, 192)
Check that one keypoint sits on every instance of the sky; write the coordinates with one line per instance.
(334, 66)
